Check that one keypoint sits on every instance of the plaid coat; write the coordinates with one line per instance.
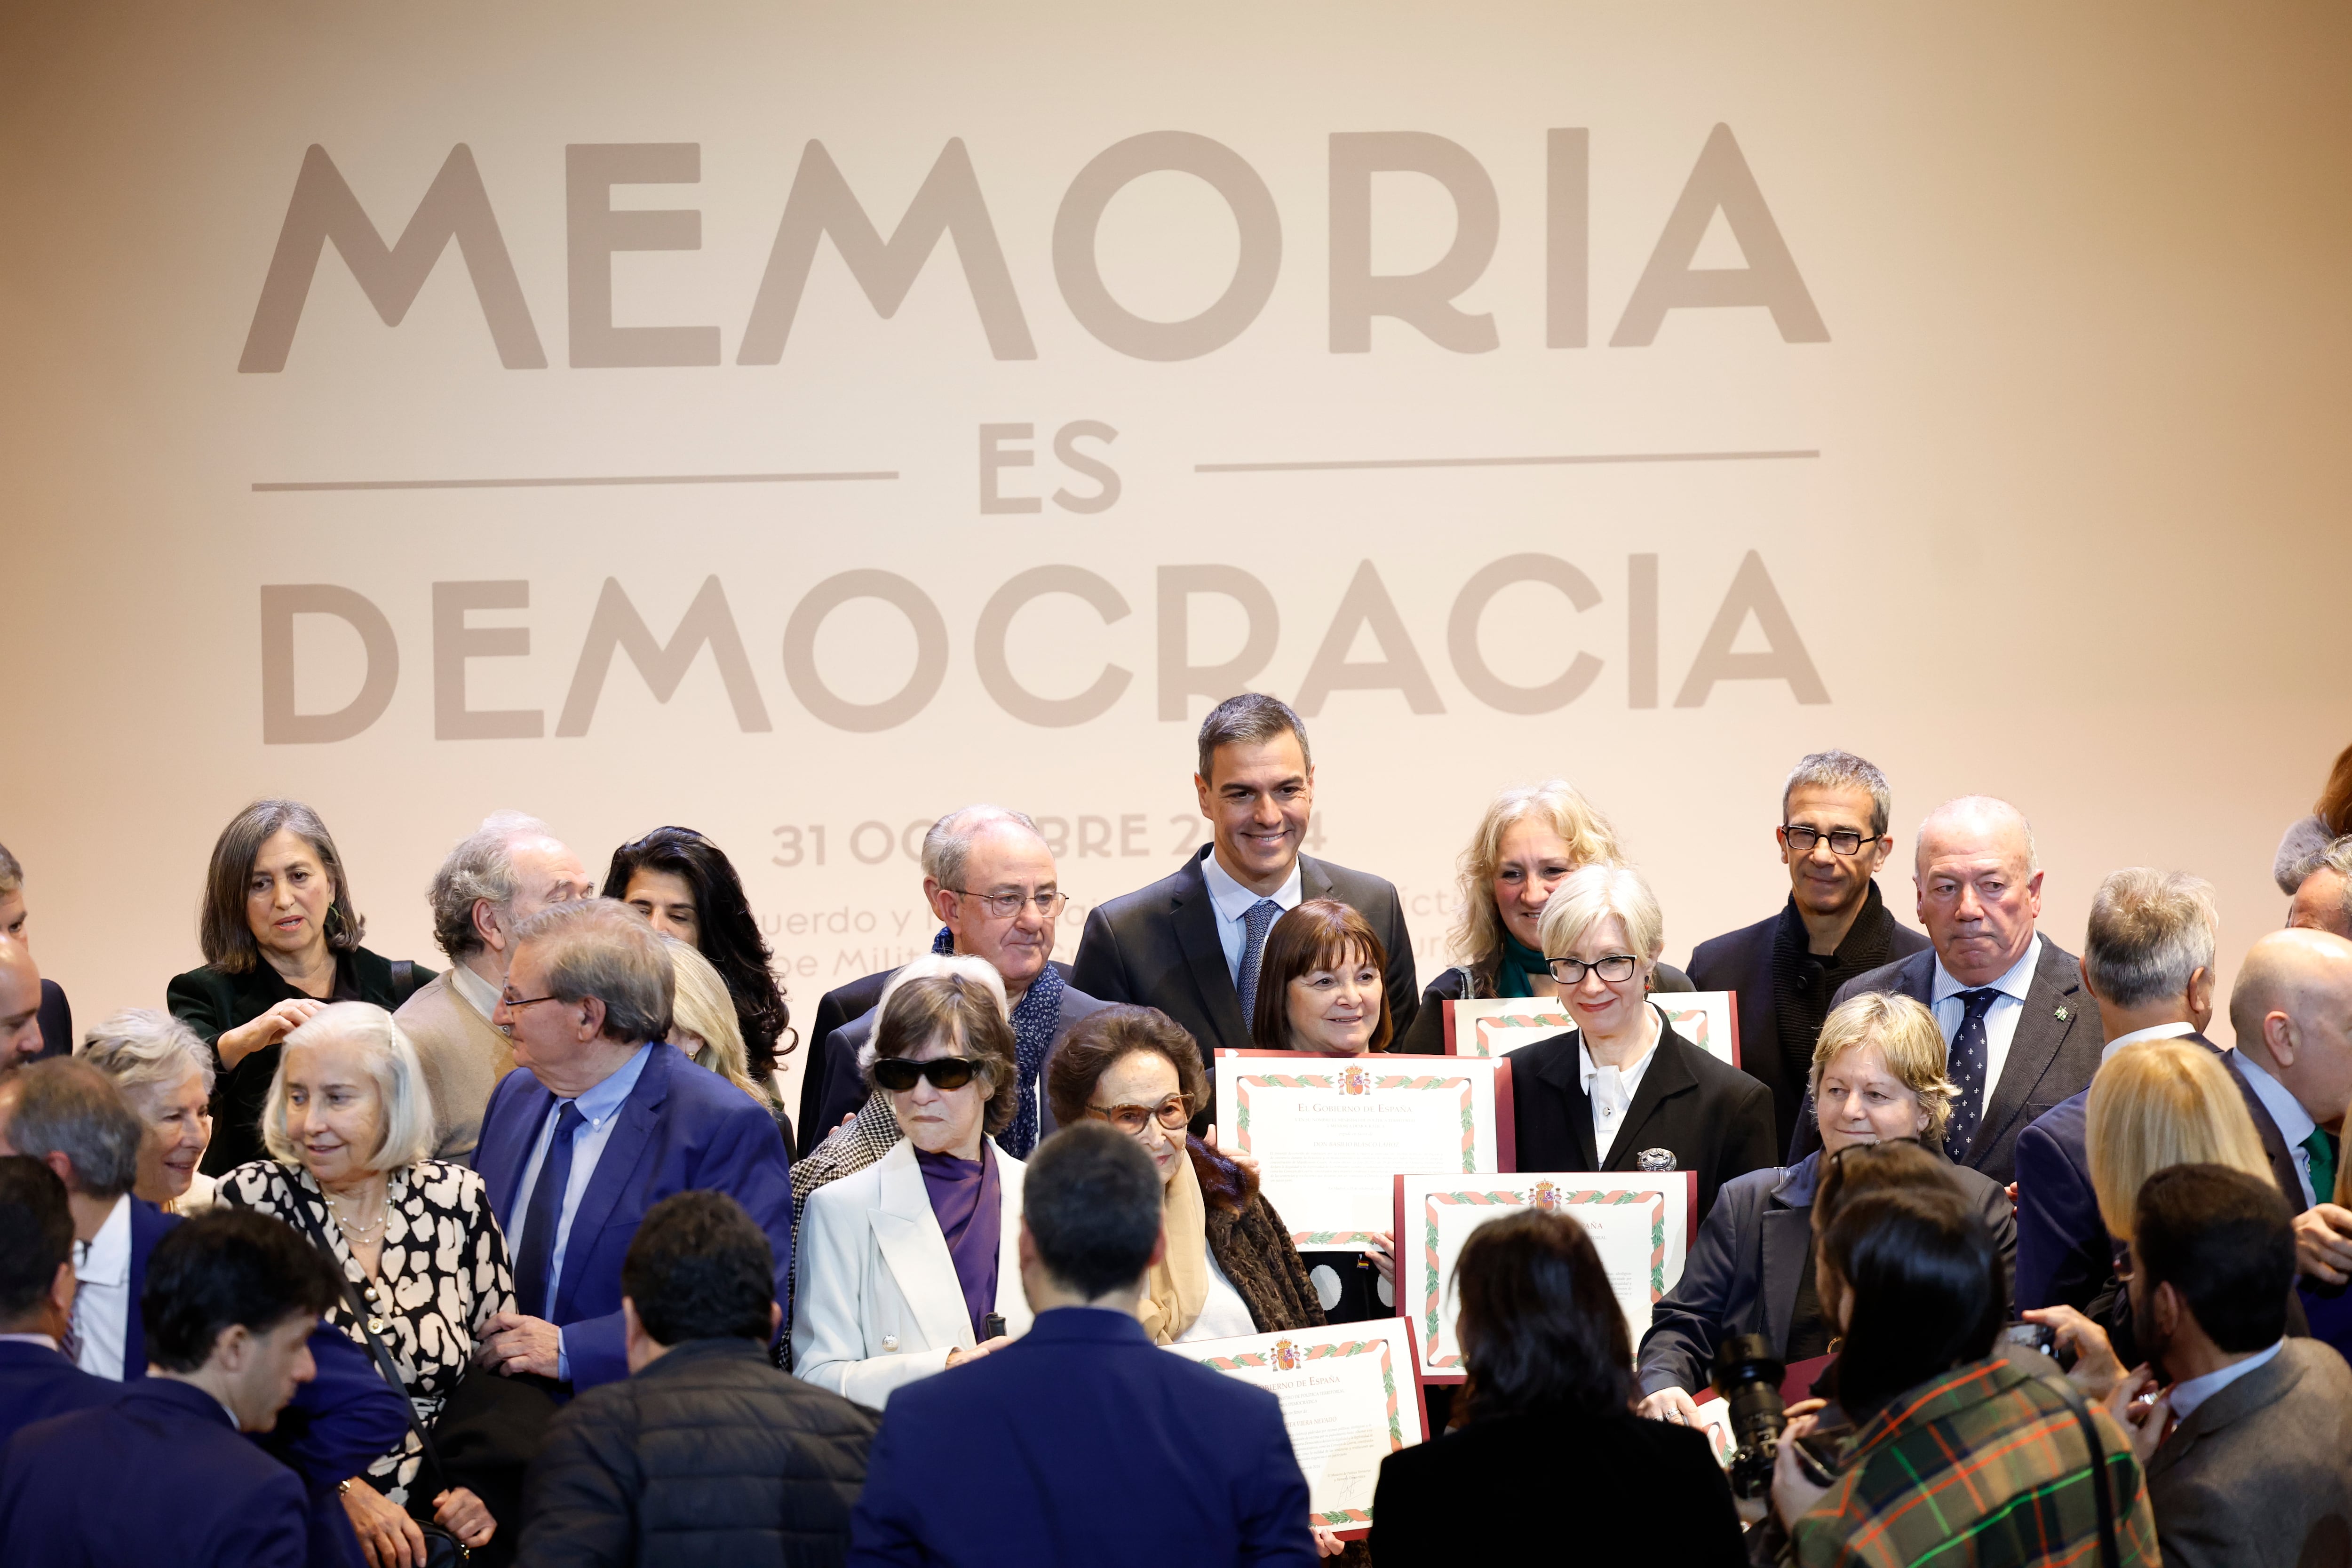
(1982, 1467)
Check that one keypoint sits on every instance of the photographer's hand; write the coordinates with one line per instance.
(1792, 1494)
(1673, 1404)
(2097, 1370)
(2144, 1422)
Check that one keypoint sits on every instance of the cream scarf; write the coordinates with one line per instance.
(1178, 1285)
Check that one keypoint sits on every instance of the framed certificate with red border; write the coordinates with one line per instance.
(1351, 1395)
(1331, 1134)
(1641, 1224)
(1498, 1025)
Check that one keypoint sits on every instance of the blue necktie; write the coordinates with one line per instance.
(533, 1292)
(1965, 1068)
(1257, 921)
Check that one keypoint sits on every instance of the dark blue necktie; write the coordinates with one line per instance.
(1256, 920)
(533, 1292)
(1965, 1067)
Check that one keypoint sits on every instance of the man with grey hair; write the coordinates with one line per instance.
(2147, 962)
(2023, 1036)
(1189, 945)
(599, 1121)
(990, 879)
(70, 1117)
(2323, 899)
(55, 1015)
(1784, 969)
(500, 875)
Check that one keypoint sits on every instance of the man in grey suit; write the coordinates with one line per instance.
(1190, 943)
(990, 879)
(2023, 1036)
(2258, 1471)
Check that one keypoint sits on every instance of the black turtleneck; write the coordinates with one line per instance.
(1803, 981)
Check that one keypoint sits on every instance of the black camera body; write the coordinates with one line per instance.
(1748, 1377)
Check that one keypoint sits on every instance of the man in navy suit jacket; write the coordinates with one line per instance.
(2147, 962)
(36, 1288)
(1055, 1449)
(160, 1474)
(599, 1121)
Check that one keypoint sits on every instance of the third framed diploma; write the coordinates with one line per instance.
(1330, 1132)
(1498, 1025)
(1640, 1223)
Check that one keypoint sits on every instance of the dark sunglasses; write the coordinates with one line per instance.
(898, 1075)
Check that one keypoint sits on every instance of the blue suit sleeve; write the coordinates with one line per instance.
(1272, 1500)
(2052, 1207)
(748, 1162)
(272, 1532)
(885, 1529)
(343, 1419)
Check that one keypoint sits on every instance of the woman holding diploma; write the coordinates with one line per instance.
(1623, 1092)
(902, 1264)
(1531, 837)
(1545, 1415)
(1230, 1268)
(1878, 1075)
(1320, 991)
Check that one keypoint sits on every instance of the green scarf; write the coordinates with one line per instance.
(1518, 965)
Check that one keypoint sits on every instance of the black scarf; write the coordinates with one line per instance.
(1802, 982)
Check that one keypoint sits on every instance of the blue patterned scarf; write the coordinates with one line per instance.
(1036, 1019)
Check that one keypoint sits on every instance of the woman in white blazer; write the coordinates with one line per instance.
(902, 1264)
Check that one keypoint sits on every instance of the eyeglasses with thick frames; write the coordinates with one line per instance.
(1842, 841)
(898, 1075)
(1172, 1112)
(1615, 967)
(1004, 906)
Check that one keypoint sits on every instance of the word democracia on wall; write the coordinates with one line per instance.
(457, 209)
(1365, 610)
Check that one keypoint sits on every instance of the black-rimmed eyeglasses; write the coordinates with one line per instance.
(1842, 841)
(1571, 971)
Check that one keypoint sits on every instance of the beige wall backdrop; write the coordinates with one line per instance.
(2062, 522)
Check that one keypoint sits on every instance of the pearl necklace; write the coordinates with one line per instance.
(360, 1234)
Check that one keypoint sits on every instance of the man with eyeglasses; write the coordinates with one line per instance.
(1834, 926)
(990, 879)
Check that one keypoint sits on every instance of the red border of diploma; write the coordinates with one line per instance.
(1452, 1045)
(1506, 1132)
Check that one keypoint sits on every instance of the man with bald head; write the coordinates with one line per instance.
(2292, 1012)
(2021, 1035)
(499, 876)
(20, 1005)
(2323, 900)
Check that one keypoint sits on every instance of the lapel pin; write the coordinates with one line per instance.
(2060, 1014)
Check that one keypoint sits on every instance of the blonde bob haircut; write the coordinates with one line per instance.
(1478, 934)
(2158, 1105)
(702, 1021)
(1592, 894)
(1905, 1034)
(406, 1134)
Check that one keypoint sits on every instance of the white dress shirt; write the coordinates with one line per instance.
(2141, 1036)
(2192, 1392)
(600, 1112)
(1223, 1315)
(1610, 1090)
(103, 1303)
(2001, 1018)
(2294, 1123)
(1234, 902)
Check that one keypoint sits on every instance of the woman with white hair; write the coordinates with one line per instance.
(164, 1071)
(348, 1125)
(1621, 1091)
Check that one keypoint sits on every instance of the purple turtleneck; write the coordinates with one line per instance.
(968, 1199)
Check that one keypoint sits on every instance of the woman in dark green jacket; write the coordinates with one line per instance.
(280, 940)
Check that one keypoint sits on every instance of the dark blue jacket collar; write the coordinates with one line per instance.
(1085, 1325)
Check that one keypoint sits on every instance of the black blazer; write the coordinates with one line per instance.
(212, 1001)
(1741, 962)
(1447, 1501)
(2051, 1058)
(1716, 1119)
(1157, 947)
(56, 1028)
(1427, 1036)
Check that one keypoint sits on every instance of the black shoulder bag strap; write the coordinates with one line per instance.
(384, 1361)
(2100, 1485)
(403, 980)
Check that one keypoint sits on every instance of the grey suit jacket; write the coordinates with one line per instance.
(2259, 1476)
(2051, 1059)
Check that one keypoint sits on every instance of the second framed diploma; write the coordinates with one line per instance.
(1331, 1133)
(1349, 1396)
(1495, 1026)
(1640, 1223)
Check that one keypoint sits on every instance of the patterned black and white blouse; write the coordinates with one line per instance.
(442, 1275)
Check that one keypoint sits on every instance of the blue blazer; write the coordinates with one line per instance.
(148, 1224)
(1055, 1451)
(159, 1475)
(37, 1383)
(682, 1129)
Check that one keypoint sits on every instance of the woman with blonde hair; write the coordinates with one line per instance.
(1877, 1078)
(1530, 838)
(702, 1020)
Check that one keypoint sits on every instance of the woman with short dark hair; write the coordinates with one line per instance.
(687, 887)
(281, 940)
(1548, 1406)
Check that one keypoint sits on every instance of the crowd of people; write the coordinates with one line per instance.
(338, 1259)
